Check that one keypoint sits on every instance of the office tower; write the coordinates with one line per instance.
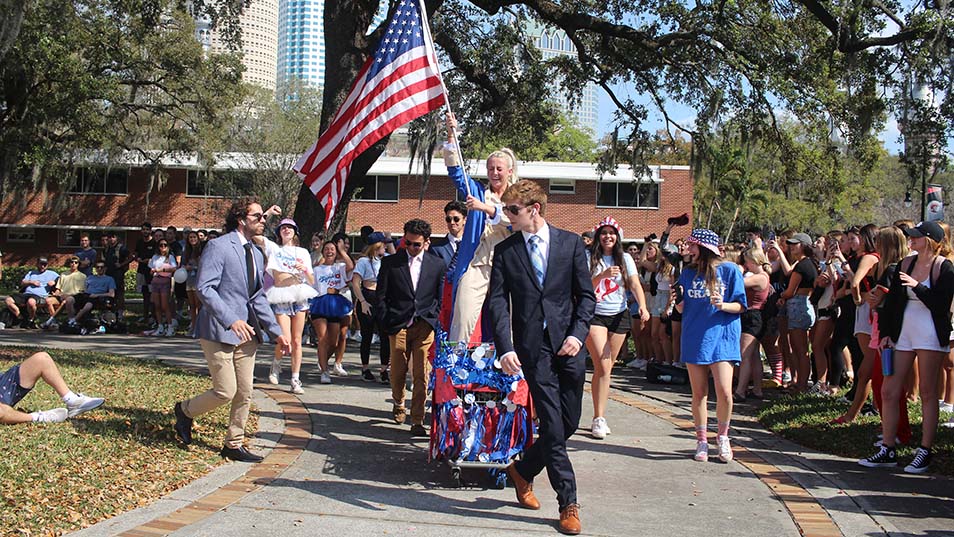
(259, 23)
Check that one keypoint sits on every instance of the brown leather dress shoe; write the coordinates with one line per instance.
(524, 488)
(570, 520)
(400, 414)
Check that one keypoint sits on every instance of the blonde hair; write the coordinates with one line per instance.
(946, 250)
(891, 247)
(757, 255)
(507, 154)
(369, 249)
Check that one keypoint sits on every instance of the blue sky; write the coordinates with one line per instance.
(685, 115)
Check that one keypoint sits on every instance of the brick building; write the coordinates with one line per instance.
(49, 223)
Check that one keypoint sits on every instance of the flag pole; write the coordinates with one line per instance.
(430, 40)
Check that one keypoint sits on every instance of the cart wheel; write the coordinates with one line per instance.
(500, 479)
(455, 475)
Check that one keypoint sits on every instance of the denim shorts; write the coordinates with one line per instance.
(10, 390)
(289, 308)
(800, 313)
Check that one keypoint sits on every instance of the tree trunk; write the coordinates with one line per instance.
(735, 216)
(12, 13)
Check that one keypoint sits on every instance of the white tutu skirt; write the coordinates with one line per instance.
(293, 293)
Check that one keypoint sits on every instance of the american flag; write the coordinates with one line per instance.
(400, 82)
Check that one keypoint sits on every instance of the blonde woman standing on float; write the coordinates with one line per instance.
(472, 286)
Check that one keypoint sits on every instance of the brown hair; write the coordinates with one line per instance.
(526, 193)
(237, 211)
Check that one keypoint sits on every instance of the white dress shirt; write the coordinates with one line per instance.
(414, 263)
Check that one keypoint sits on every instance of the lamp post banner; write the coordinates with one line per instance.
(935, 204)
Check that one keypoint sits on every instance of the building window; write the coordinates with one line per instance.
(644, 195)
(100, 181)
(218, 184)
(70, 238)
(379, 188)
(562, 186)
(21, 234)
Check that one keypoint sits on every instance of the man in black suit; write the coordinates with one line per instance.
(455, 215)
(409, 286)
(541, 291)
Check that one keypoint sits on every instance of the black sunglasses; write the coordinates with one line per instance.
(414, 244)
(100, 266)
(512, 209)
(161, 244)
(450, 219)
(73, 262)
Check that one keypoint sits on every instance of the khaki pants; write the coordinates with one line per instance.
(232, 368)
(411, 346)
(471, 293)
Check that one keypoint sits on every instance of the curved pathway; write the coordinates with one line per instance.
(341, 467)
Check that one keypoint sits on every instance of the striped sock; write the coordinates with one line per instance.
(701, 433)
(775, 361)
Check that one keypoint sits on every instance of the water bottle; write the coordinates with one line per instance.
(887, 361)
(665, 378)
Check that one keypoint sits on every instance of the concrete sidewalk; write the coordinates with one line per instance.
(362, 474)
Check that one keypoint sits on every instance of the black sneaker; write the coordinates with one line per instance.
(367, 375)
(922, 459)
(385, 377)
(869, 410)
(884, 458)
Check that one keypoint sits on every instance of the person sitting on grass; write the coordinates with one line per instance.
(16, 383)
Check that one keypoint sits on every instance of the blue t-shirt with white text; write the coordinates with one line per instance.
(708, 334)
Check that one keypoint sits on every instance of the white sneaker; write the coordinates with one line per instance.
(599, 429)
(949, 423)
(54, 415)
(946, 407)
(48, 323)
(375, 340)
(274, 372)
(174, 324)
(637, 363)
(296, 386)
(702, 451)
(83, 404)
(170, 330)
(725, 450)
(325, 377)
(339, 371)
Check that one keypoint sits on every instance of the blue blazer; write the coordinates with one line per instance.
(222, 285)
(519, 305)
(444, 251)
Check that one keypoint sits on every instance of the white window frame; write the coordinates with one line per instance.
(618, 206)
(563, 186)
(376, 199)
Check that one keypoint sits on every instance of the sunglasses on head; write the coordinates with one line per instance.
(450, 219)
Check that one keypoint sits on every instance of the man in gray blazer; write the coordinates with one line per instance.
(230, 323)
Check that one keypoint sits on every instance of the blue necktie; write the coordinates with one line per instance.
(536, 258)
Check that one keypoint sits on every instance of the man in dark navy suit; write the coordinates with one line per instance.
(409, 286)
(541, 292)
(455, 215)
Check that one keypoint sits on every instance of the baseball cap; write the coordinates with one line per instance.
(42, 261)
(800, 238)
(377, 236)
(930, 230)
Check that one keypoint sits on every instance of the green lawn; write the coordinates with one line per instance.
(804, 419)
(56, 478)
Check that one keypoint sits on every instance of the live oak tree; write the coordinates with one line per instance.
(102, 77)
(832, 66)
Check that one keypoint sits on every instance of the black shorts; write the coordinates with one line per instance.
(621, 323)
(20, 299)
(675, 316)
(752, 323)
(179, 289)
(100, 302)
